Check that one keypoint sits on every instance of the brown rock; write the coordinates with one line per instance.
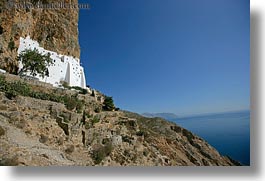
(54, 29)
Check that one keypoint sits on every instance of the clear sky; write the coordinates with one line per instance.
(179, 56)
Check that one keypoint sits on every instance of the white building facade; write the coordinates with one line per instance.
(64, 69)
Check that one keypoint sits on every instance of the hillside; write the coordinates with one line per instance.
(40, 132)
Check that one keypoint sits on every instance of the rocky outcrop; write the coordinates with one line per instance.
(54, 29)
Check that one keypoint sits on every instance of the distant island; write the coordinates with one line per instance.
(168, 116)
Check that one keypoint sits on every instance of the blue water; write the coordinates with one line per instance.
(229, 132)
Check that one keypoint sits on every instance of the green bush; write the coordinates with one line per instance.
(70, 149)
(188, 134)
(97, 110)
(43, 138)
(140, 133)
(101, 152)
(87, 125)
(95, 120)
(108, 104)
(65, 85)
(127, 139)
(93, 93)
(2, 80)
(10, 94)
(11, 45)
(81, 90)
(9, 161)
(13, 89)
(21, 88)
(72, 102)
(2, 131)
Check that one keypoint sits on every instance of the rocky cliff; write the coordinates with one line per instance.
(54, 29)
(39, 132)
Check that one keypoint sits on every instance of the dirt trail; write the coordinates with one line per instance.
(19, 139)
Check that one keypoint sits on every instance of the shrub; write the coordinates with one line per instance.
(127, 139)
(13, 89)
(145, 153)
(108, 104)
(9, 161)
(1, 30)
(177, 129)
(2, 80)
(10, 94)
(101, 152)
(65, 118)
(79, 106)
(140, 133)
(70, 149)
(72, 102)
(83, 120)
(43, 138)
(21, 88)
(93, 93)
(106, 141)
(87, 125)
(65, 85)
(80, 89)
(11, 45)
(188, 134)
(2, 131)
(95, 120)
(97, 109)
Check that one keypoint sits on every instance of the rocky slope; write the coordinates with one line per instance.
(38, 132)
(54, 29)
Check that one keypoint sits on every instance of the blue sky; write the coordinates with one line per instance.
(180, 56)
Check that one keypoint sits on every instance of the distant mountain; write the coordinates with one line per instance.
(168, 116)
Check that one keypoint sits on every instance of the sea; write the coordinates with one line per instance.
(228, 132)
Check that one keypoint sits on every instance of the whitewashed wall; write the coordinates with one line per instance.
(65, 68)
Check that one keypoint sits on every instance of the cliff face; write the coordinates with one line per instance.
(35, 132)
(54, 29)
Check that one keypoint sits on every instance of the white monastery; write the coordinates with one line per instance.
(65, 68)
